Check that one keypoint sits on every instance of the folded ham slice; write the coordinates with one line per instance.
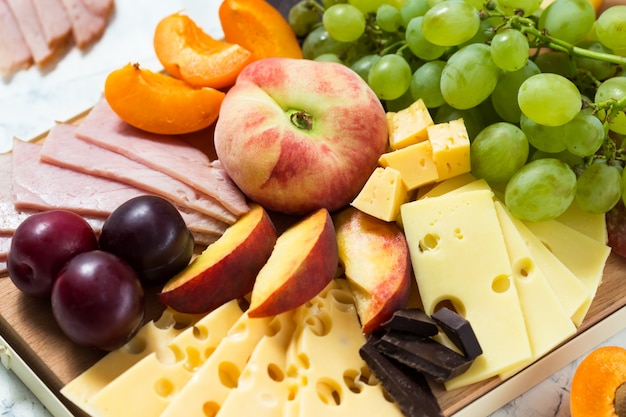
(63, 148)
(13, 47)
(87, 25)
(32, 31)
(168, 154)
(54, 20)
(38, 185)
(10, 217)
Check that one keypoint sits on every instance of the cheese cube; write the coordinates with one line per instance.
(408, 126)
(382, 195)
(415, 163)
(451, 148)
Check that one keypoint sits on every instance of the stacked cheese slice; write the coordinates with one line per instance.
(304, 362)
(524, 287)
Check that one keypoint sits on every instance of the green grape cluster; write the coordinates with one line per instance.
(541, 89)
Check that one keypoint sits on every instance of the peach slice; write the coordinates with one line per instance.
(377, 264)
(226, 269)
(303, 262)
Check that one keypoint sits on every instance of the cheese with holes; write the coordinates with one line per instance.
(408, 126)
(325, 372)
(152, 338)
(451, 148)
(146, 388)
(458, 254)
(382, 195)
(415, 164)
(547, 323)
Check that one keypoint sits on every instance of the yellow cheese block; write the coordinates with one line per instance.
(382, 195)
(408, 126)
(415, 164)
(592, 225)
(326, 374)
(582, 255)
(153, 337)
(451, 148)
(159, 376)
(459, 254)
(547, 323)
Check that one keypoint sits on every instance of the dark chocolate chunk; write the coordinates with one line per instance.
(408, 388)
(423, 354)
(413, 320)
(459, 330)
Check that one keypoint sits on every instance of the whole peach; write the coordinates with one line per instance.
(296, 135)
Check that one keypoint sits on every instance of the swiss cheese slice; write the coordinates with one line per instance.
(592, 225)
(459, 254)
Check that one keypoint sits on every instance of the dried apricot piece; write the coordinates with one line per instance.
(159, 103)
(260, 28)
(190, 54)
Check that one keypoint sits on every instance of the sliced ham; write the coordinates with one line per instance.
(38, 185)
(54, 20)
(14, 50)
(168, 154)
(63, 148)
(86, 25)
(32, 31)
(99, 7)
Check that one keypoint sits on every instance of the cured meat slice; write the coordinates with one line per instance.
(13, 48)
(38, 185)
(168, 154)
(63, 148)
(32, 31)
(99, 7)
(54, 20)
(86, 25)
(10, 218)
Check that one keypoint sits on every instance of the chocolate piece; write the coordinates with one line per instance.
(413, 320)
(459, 331)
(408, 388)
(423, 354)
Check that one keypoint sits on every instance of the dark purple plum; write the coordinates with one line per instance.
(98, 300)
(149, 233)
(42, 244)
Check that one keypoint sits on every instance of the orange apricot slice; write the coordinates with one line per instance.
(159, 103)
(190, 54)
(595, 390)
(260, 28)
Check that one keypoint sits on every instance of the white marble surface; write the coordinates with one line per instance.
(31, 101)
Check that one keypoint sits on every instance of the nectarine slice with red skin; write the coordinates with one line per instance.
(190, 54)
(159, 103)
(301, 265)
(226, 269)
(377, 264)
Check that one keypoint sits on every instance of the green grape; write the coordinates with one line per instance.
(541, 190)
(484, 34)
(568, 20)
(329, 57)
(411, 9)
(390, 77)
(584, 134)
(613, 89)
(425, 83)
(556, 62)
(473, 118)
(624, 186)
(599, 188)
(366, 6)
(498, 152)
(609, 28)
(541, 137)
(549, 99)
(363, 65)
(528, 6)
(450, 23)
(302, 18)
(344, 22)
(509, 49)
(565, 156)
(601, 70)
(418, 44)
(328, 3)
(507, 87)
(469, 76)
(320, 42)
(388, 18)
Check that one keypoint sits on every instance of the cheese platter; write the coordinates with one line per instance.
(34, 347)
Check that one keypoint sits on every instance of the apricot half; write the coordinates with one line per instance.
(598, 388)
(158, 103)
(190, 54)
